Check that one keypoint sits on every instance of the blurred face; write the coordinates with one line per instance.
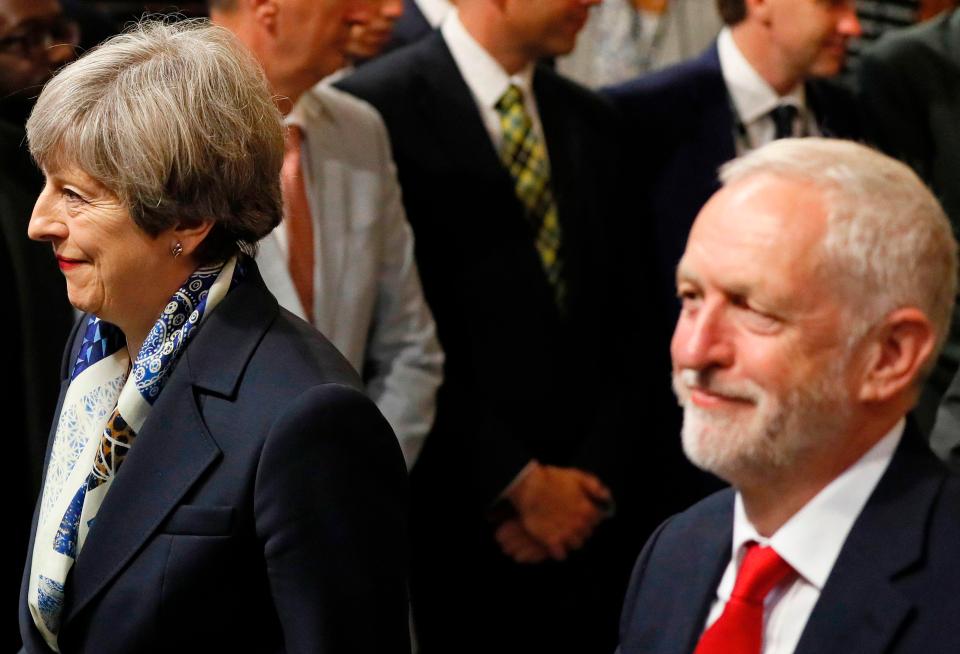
(312, 36)
(759, 359)
(35, 40)
(811, 35)
(103, 255)
(368, 40)
(547, 28)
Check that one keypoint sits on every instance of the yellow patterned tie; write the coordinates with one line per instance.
(525, 157)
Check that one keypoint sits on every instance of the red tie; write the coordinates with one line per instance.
(296, 212)
(739, 629)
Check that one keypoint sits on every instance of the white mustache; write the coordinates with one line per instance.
(689, 379)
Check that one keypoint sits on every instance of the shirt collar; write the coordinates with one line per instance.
(752, 97)
(811, 540)
(487, 80)
(435, 11)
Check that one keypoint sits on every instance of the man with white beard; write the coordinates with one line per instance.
(817, 287)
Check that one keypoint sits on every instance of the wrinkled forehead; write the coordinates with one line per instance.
(17, 14)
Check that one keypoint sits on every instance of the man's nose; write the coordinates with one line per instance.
(702, 338)
(848, 24)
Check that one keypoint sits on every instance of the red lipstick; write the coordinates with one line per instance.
(66, 263)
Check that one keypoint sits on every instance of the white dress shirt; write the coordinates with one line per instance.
(434, 10)
(810, 542)
(486, 78)
(753, 99)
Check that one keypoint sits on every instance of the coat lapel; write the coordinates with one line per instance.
(451, 108)
(716, 131)
(704, 571)
(174, 447)
(331, 206)
(860, 608)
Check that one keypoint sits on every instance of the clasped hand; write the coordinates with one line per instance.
(557, 511)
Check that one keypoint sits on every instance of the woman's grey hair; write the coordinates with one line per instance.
(176, 119)
(888, 245)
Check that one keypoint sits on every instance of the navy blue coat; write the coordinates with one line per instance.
(893, 588)
(261, 509)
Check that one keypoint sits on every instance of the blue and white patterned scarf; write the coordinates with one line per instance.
(104, 409)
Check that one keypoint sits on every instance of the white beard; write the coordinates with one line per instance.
(778, 430)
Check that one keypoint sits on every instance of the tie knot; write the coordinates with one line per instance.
(512, 97)
(783, 116)
(762, 570)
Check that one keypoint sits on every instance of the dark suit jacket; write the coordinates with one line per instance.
(262, 508)
(511, 357)
(522, 380)
(893, 588)
(683, 129)
(909, 85)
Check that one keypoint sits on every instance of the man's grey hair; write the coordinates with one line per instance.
(176, 119)
(888, 245)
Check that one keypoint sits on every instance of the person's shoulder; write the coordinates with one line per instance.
(709, 519)
(663, 84)
(292, 354)
(390, 74)
(343, 106)
(938, 37)
(572, 94)
(715, 510)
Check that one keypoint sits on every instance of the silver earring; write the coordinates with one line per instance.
(177, 249)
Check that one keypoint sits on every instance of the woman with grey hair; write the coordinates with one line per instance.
(216, 479)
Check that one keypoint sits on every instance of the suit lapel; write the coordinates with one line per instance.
(331, 205)
(717, 128)
(174, 447)
(704, 571)
(449, 105)
(860, 608)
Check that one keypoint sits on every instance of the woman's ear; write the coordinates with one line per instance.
(899, 350)
(185, 239)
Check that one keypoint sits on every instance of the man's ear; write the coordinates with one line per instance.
(758, 10)
(190, 236)
(898, 350)
(264, 12)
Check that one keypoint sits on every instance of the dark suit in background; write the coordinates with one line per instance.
(36, 321)
(681, 119)
(893, 588)
(522, 380)
(909, 85)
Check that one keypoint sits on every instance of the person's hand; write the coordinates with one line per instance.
(559, 507)
(518, 544)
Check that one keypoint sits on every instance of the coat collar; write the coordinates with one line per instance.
(174, 447)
